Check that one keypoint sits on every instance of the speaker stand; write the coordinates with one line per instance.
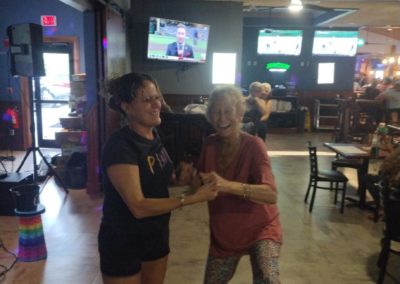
(33, 148)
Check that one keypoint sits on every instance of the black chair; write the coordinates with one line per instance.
(356, 164)
(332, 177)
(391, 207)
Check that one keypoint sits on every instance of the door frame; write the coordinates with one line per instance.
(24, 83)
(60, 48)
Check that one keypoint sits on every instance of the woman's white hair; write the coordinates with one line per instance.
(233, 93)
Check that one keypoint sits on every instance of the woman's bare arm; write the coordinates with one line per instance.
(125, 179)
(265, 107)
(258, 193)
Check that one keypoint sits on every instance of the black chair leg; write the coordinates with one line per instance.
(383, 260)
(308, 190)
(336, 191)
(359, 177)
(343, 197)
(377, 209)
(313, 197)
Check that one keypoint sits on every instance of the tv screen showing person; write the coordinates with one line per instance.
(175, 40)
(180, 48)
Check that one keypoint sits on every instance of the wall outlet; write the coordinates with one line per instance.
(10, 90)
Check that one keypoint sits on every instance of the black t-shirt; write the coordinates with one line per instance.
(155, 170)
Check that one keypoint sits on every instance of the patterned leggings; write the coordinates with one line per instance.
(264, 257)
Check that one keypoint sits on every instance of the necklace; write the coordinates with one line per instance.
(227, 152)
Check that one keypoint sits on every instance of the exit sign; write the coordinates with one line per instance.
(48, 20)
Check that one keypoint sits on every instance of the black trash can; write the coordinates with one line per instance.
(301, 118)
(76, 170)
(26, 197)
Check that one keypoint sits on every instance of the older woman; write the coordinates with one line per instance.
(244, 218)
(259, 108)
(134, 232)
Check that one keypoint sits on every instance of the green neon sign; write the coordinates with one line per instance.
(275, 66)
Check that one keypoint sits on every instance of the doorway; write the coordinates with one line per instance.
(52, 102)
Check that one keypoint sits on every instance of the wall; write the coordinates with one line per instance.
(225, 20)
(69, 23)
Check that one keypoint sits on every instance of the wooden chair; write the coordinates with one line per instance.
(332, 177)
(391, 233)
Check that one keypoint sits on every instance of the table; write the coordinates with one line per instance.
(354, 151)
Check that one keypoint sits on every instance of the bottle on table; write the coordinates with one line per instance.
(383, 131)
(375, 145)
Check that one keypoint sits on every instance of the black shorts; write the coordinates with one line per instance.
(122, 250)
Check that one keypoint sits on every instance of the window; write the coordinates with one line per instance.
(224, 68)
(326, 73)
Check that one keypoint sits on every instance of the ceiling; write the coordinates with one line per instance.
(370, 15)
(365, 14)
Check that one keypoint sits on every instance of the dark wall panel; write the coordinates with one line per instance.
(225, 20)
(69, 23)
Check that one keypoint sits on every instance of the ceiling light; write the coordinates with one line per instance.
(295, 5)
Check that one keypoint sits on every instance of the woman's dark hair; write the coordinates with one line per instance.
(125, 88)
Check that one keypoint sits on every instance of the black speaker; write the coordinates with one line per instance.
(26, 46)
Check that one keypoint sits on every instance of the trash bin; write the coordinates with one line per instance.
(301, 118)
(76, 170)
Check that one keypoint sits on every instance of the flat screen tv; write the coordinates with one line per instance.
(340, 43)
(176, 40)
(279, 42)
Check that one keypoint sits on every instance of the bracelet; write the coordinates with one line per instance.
(246, 191)
(182, 200)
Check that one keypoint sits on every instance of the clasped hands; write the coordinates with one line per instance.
(207, 184)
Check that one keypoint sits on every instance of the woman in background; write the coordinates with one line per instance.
(259, 108)
(134, 232)
(244, 218)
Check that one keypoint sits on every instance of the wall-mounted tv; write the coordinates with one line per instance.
(176, 40)
(340, 43)
(279, 42)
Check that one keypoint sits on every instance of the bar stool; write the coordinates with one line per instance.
(32, 245)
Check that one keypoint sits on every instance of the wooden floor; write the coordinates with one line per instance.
(322, 247)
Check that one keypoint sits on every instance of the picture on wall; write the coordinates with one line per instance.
(326, 73)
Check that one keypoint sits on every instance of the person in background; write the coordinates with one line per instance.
(389, 168)
(371, 91)
(259, 108)
(180, 48)
(356, 85)
(133, 238)
(385, 84)
(391, 98)
(244, 218)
